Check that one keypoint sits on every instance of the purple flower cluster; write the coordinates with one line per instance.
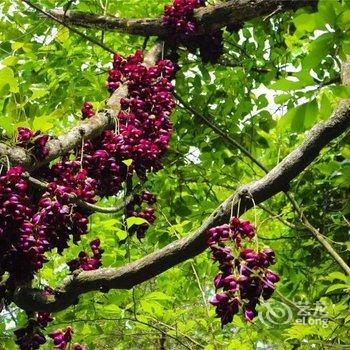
(180, 17)
(35, 222)
(79, 347)
(87, 110)
(56, 219)
(85, 262)
(143, 127)
(32, 223)
(62, 338)
(134, 209)
(31, 337)
(243, 279)
(33, 141)
(15, 212)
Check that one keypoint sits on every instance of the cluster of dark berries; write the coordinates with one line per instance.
(180, 18)
(35, 142)
(142, 129)
(85, 262)
(31, 337)
(87, 110)
(244, 279)
(134, 209)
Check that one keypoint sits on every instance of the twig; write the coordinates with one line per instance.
(83, 35)
(74, 199)
(319, 236)
(220, 132)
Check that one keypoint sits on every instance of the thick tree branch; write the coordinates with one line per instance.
(234, 12)
(188, 247)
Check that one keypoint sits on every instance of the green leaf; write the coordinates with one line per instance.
(337, 275)
(279, 99)
(326, 107)
(340, 91)
(127, 162)
(9, 61)
(336, 287)
(300, 118)
(7, 77)
(135, 221)
(7, 125)
(63, 35)
(318, 50)
(287, 85)
(343, 20)
(157, 296)
(112, 309)
(38, 93)
(306, 22)
(121, 234)
(16, 45)
(42, 124)
(326, 10)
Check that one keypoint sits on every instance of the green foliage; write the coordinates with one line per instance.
(283, 78)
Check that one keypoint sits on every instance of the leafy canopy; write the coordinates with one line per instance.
(279, 76)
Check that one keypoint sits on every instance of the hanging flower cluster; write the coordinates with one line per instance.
(87, 110)
(85, 262)
(180, 18)
(134, 209)
(143, 127)
(33, 222)
(31, 336)
(62, 338)
(35, 142)
(244, 277)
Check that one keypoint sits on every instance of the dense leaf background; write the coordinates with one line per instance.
(278, 77)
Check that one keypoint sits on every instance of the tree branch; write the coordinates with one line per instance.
(76, 200)
(320, 237)
(87, 129)
(188, 247)
(233, 12)
(211, 17)
(225, 136)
